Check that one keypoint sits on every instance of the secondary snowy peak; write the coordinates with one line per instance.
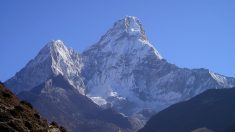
(54, 49)
(64, 60)
(52, 60)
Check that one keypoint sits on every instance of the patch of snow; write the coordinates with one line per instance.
(219, 78)
(99, 100)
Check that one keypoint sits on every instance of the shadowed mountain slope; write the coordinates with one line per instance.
(213, 109)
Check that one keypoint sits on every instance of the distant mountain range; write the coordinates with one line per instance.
(213, 110)
(122, 71)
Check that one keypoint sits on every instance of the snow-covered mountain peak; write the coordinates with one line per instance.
(133, 26)
(55, 46)
(53, 52)
(52, 60)
(66, 62)
(126, 38)
(129, 26)
(55, 43)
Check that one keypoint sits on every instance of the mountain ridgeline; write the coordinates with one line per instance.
(121, 73)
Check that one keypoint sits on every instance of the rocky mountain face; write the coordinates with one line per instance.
(53, 59)
(16, 115)
(58, 100)
(122, 71)
(213, 110)
(125, 70)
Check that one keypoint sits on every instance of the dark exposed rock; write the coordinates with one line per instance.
(58, 101)
(19, 116)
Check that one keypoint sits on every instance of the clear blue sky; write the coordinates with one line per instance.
(188, 33)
